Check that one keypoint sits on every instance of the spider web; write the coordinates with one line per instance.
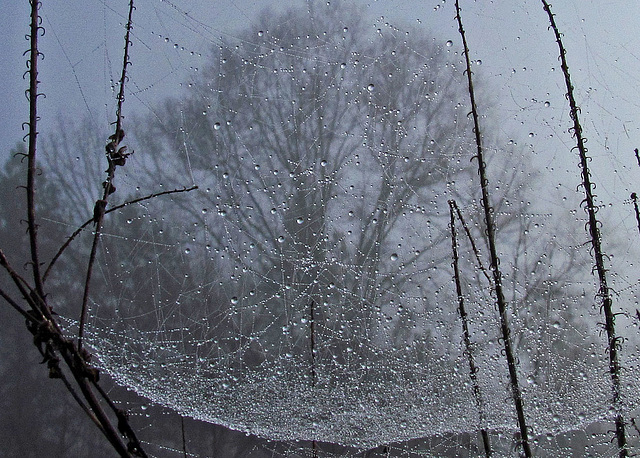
(305, 292)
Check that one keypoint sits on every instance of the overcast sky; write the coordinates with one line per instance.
(83, 41)
(518, 55)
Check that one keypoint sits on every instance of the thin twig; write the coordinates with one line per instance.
(35, 28)
(312, 342)
(80, 402)
(495, 262)
(100, 206)
(112, 209)
(466, 335)
(473, 243)
(109, 431)
(24, 288)
(596, 242)
(125, 63)
(16, 306)
(123, 423)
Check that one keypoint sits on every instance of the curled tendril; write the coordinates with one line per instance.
(22, 156)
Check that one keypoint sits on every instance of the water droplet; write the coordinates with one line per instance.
(234, 300)
(299, 221)
(449, 43)
(547, 104)
(216, 126)
(187, 250)
(394, 257)
(323, 163)
(260, 33)
(370, 87)
(478, 62)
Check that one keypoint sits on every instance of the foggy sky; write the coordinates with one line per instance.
(83, 43)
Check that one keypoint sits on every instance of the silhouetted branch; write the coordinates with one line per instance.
(133, 444)
(80, 402)
(35, 29)
(117, 207)
(15, 305)
(596, 241)
(116, 156)
(466, 335)
(473, 243)
(25, 289)
(495, 262)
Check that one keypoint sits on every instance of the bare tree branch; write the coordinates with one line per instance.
(112, 209)
(495, 262)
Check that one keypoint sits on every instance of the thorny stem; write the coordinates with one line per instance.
(21, 284)
(71, 356)
(112, 209)
(108, 186)
(596, 243)
(125, 63)
(495, 262)
(48, 336)
(35, 28)
(466, 335)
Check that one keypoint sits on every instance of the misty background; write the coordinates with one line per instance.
(174, 45)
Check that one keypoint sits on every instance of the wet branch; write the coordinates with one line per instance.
(495, 262)
(33, 95)
(474, 248)
(116, 156)
(112, 209)
(466, 335)
(613, 344)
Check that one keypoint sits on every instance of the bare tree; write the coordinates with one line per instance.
(323, 147)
